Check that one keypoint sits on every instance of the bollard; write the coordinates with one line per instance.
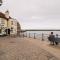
(20, 34)
(29, 35)
(42, 37)
(23, 35)
(34, 36)
(26, 34)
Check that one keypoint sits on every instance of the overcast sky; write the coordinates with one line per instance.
(34, 14)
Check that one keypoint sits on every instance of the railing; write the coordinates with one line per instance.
(34, 35)
(41, 36)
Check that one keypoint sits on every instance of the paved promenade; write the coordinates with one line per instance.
(25, 49)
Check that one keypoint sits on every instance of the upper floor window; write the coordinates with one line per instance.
(11, 22)
(2, 22)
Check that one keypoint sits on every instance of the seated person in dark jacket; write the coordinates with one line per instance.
(56, 39)
(51, 38)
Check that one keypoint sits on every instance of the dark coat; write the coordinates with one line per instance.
(51, 38)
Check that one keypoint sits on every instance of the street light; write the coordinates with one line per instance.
(1, 2)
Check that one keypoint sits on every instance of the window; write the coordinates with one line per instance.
(12, 29)
(11, 22)
(0, 30)
(2, 22)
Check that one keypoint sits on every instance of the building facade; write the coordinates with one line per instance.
(8, 25)
(18, 29)
(12, 24)
(3, 23)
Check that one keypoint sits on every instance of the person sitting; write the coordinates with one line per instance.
(56, 39)
(51, 38)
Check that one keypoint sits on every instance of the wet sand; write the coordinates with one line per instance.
(23, 49)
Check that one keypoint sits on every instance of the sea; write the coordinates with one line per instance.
(40, 34)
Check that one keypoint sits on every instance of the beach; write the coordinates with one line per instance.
(17, 48)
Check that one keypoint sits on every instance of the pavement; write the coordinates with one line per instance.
(53, 49)
(16, 48)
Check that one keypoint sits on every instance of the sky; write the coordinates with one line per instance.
(34, 14)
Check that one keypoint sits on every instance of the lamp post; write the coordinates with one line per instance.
(1, 2)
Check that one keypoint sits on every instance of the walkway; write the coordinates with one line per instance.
(53, 49)
(25, 49)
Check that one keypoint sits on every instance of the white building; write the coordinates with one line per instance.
(12, 26)
(8, 25)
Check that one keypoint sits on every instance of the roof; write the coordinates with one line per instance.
(2, 15)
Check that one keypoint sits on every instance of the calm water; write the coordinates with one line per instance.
(39, 33)
(44, 32)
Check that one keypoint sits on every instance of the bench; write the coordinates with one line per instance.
(54, 39)
(57, 40)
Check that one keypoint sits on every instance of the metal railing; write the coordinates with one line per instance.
(41, 36)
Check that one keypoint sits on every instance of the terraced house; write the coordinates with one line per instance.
(8, 25)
